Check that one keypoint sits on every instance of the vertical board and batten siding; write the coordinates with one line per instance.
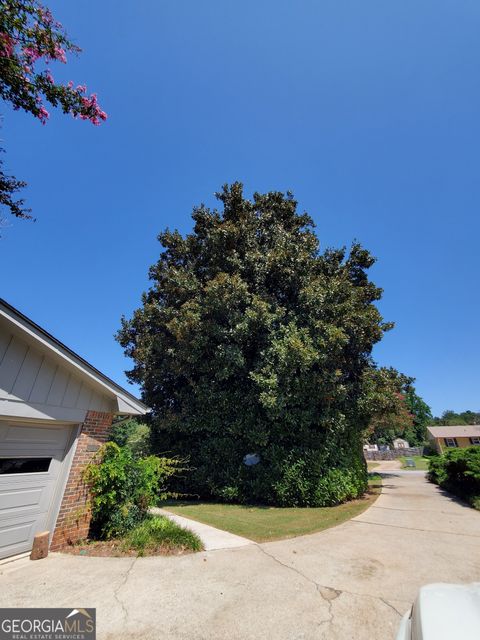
(31, 376)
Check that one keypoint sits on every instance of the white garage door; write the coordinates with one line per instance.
(32, 478)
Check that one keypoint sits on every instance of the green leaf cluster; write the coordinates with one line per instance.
(124, 487)
(251, 340)
(132, 434)
(458, 471)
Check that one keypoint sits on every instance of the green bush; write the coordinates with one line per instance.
(157, 533)
(302, 478)
(124, 487)
(132, 434)
(458, 471)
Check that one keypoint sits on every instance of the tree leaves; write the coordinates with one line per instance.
(250, 339)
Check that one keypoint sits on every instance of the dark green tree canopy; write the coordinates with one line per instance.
(252, 341)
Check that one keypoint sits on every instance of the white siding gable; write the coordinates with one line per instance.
(34, 381)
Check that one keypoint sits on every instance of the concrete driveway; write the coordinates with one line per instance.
(352, 581)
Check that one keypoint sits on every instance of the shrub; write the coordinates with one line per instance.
(123, 488)
(304, 478)
(132, 434)
(157, 533)
(458, 471)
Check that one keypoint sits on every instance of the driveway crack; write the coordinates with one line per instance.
(391, 606)
(328, 594)
(121, 585)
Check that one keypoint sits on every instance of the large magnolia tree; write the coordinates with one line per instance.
(251, 348)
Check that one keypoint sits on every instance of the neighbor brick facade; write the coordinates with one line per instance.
(74, 516)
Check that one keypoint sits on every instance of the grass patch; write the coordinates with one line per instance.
(158, 534)
(421, 462)
(155, 536)
(263, 524)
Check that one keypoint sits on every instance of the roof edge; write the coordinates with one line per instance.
(80, 362)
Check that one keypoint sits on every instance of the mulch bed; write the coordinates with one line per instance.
(114, 549)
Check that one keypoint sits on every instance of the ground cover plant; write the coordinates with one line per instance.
(159, 534)
(155, 535)
(252, 349)
(458, 471)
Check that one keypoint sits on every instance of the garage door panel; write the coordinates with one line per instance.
(16, 500)
(17, 536)
(40, 438)
(21, 498)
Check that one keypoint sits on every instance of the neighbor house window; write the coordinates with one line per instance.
(475, 440)
(451, 442)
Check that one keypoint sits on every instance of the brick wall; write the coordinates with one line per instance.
(74, 516)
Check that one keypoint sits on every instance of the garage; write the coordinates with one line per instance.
(56, 411)
(32, 468)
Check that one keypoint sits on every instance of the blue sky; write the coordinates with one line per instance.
(368, 111)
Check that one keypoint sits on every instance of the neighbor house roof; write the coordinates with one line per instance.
(456, 431)
(125, 401)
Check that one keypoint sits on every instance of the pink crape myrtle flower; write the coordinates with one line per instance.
(60, 54)
(7, 45)
(32, 53)
(92, 110)
(43, 115)
(47, 17)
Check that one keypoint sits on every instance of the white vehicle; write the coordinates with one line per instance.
(443, 611)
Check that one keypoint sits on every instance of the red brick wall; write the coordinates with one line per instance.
(74, 516)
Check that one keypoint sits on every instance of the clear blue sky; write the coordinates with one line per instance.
(368, 111)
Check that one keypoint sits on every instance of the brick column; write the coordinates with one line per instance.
(74, 516)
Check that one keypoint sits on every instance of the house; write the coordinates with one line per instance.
(56, 410)
(400, 443)
(465, 435)
(370, 447)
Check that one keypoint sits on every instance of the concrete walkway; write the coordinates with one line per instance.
(386, 465)
(350, 582)
(211, 537)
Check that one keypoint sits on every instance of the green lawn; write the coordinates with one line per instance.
(271, 523)
(421, 462)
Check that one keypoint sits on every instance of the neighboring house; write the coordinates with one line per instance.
(465, 435)
(55, 412)
(400, 443)
(370, 447)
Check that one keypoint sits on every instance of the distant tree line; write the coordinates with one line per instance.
(450, 417)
